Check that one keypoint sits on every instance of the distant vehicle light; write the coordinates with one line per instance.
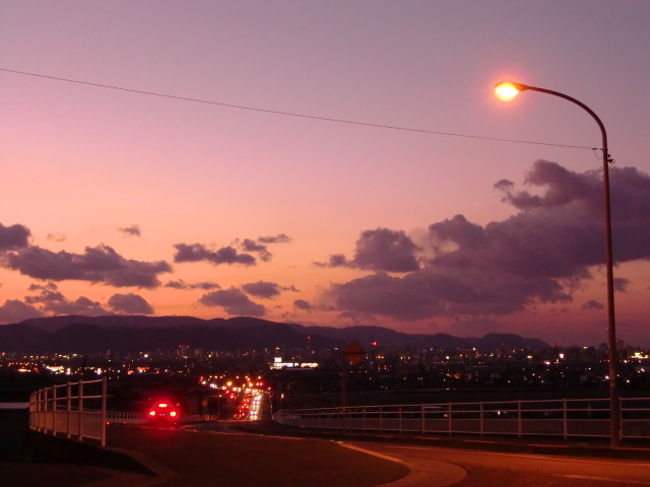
(152, 413)
(173, 414)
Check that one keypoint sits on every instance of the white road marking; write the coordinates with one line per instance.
(370, 452)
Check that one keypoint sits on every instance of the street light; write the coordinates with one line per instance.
(507, 91)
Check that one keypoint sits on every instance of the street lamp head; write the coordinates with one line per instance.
(508, 90)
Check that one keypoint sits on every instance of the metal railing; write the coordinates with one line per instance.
(64, 409)
(558, 417)
(131, 417)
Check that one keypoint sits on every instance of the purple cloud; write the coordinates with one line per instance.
(13, 237)
(52, 301)
(536, 255)
(14, 311)
(249, 245)
(591, 304)
(180, 284)
(130, 304)
(381, 249)
(303, 305)
(131, 230)
(621, 284)
(56, 237)
(272, 239)
(96, 264)
(335, 260)
(234, 302)
(262, 289)
(198, 252)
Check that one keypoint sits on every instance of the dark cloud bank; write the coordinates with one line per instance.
(553, 241)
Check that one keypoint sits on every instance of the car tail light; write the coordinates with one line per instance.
(152, 413)
(162, 405)
(173, 414)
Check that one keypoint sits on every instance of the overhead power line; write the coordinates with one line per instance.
(293, 114)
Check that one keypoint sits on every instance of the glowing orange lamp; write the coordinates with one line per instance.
(507, 90)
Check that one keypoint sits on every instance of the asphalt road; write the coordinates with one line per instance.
(486, 469)
(198, 458)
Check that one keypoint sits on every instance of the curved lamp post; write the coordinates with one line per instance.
(507, 91)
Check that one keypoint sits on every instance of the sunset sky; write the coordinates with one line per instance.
(120, 202)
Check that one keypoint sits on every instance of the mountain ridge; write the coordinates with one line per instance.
(136, 332)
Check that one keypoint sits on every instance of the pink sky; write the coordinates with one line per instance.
(78, 163)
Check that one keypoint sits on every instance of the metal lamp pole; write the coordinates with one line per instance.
(511, 90)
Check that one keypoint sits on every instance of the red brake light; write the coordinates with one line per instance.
(173, 414)
(152, 413)
(162, 405)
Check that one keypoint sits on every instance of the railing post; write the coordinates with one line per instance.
(620, 420)
(481, 425)
(45, 414)
(424, 426)
(381, 418)
(104, 397)
(54, 410)
(565, 419)
(33, 421)
(449, 425)
(39, 407)
(519, 419)
(30, 411)
(400, 419)
(81, 409)
(69, 410)
(43, 404)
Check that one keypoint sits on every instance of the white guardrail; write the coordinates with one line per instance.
(64, 409)
(557, 417)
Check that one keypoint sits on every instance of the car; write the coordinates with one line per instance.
(164, 411)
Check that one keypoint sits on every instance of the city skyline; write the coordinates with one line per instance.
(119, 202)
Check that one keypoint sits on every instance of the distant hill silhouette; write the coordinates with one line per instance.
(86, 334)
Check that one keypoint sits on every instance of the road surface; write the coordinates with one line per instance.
(228, 459)
(487, 469)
